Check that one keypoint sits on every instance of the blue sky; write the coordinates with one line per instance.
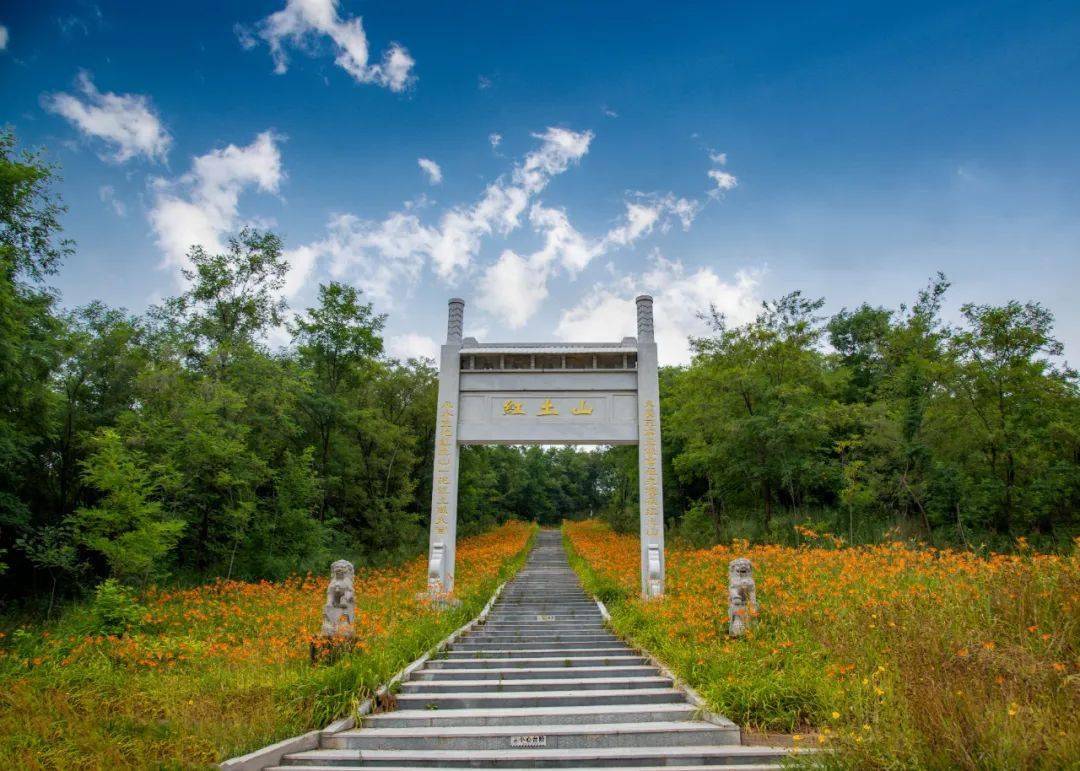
(717, 153)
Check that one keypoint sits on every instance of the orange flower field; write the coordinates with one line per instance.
(896, 656)
(214, 671)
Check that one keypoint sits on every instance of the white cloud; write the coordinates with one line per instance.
(303, 23)
(108, 196)
(434, 173)
(385, 257)
(559, 148)
(412, 346)
(245, 36)
(724, 180)
(3, 37)
(483, 82)
(607, 312)
(513, 287)
(377, 256)
(302, 261)
(495, 138)
(201, 207)
(126, 122)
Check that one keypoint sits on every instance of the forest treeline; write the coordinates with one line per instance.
(178, 443)
(869, 422)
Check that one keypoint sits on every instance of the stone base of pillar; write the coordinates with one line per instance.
(440, 601)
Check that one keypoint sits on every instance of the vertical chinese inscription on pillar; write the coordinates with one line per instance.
(444, 446)
(650, 452)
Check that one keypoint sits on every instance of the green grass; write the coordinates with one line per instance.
(181, 689)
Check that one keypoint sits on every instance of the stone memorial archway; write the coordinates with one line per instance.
(547, 393)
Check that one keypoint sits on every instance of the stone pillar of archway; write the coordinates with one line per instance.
(444, 482)
(650, 472)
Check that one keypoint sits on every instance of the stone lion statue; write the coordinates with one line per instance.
(339, 613)
(742, 595)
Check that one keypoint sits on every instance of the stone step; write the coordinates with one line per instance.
(715, 767)
(531, 673)
(537, 637)
(567, 698)
(557, 617)
(589, 609)
(543, 627)
(539, 629)
(547, 684)
(587, 606)
(534, 598)
(539, 661)
(680, 733)
(543, 664)
(519, 716)
(542, 620)
(552, 648)
(532, 653)
(604, 757)
(590, 625)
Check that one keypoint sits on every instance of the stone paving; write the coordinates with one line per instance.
(542, 684)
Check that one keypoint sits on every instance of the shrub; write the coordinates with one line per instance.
(114, 609)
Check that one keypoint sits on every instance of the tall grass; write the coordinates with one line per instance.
(895, 657)
(219, 670)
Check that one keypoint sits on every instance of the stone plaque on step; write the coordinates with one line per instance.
(545, 618)
(528, 742)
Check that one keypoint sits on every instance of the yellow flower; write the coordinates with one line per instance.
(835, 715)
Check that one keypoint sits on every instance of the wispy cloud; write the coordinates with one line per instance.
(431, 169)
(107, 194)
(514, 286)
(606, 312)
(127, 123)
(202, 206)
(412, 346)
(385, 257)
(722, 179)
(303, 24)
(3, 37)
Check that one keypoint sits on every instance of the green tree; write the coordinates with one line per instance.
(1015, 398)
(31, 249)
(52, 548)
(129, 526)
(753, 412)
(337, 343)
(96, 380)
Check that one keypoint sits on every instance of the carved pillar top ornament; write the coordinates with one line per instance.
(644, 318)
(455, 321)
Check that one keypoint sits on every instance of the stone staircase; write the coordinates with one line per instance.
(542, 684)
